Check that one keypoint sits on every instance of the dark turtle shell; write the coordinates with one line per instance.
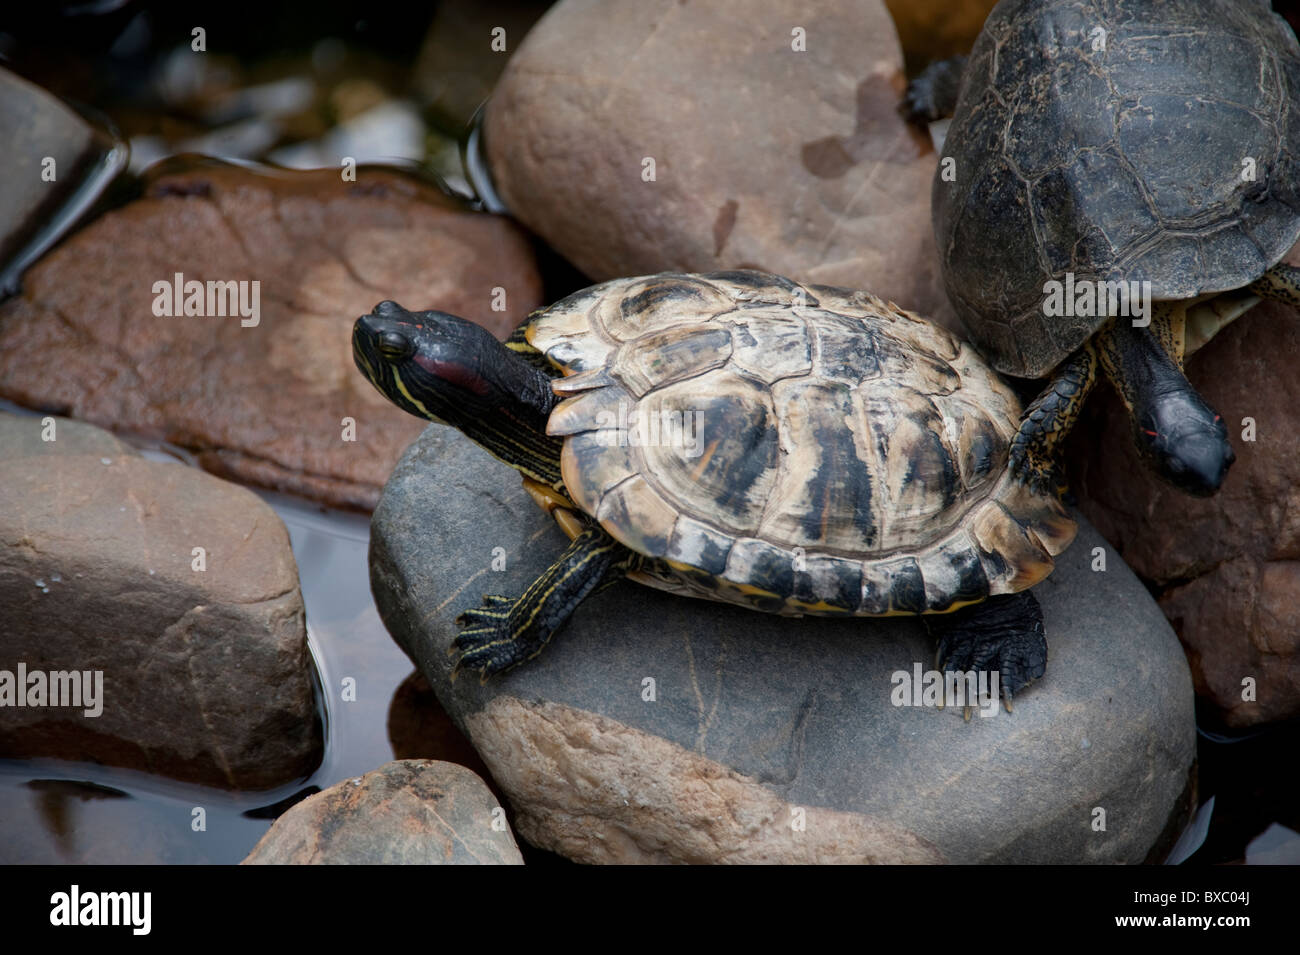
(1115, 140)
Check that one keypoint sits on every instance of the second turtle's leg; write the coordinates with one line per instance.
(1002, 635)
(1179, 435)
(1207, 318)
(1035, 449)
(502, 633)
(1281, 282)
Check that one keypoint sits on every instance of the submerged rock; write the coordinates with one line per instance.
(262, 388)
(657, 728)
(407, 812)
(202, 675)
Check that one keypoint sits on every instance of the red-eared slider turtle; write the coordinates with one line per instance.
(1100, 142)
(738, 437)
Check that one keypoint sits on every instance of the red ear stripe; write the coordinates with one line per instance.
(455, 374)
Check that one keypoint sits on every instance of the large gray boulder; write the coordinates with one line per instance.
(775, 740)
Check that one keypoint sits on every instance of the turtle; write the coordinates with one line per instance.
(739, 437)
(1096, 145)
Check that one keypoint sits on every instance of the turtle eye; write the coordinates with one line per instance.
(395, 346)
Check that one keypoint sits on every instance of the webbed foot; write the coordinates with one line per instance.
(502, 633)
(490, 643)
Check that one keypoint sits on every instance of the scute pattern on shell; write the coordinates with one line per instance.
(1123, 161)
(852, 457)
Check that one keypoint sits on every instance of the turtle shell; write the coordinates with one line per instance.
(1115, 140)
(796, 449)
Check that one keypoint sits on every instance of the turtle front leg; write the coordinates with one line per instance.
(502, 633)
(1002, 635)
(1035, 449)
(1181, 437)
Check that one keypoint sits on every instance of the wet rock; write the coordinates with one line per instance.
(262, 403)
(774, 136)
(202, 676)
(1226, 568)
(407, 812)
(758, 722)
(62, 163)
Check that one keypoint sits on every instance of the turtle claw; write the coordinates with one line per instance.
(487, 642)
(1002, 635)
(493, 639)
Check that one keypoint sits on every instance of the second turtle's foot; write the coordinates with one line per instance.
(933, 94)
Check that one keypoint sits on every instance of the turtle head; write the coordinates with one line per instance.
(431, 364)
(1177, 433)
(443, 368)
(1185, 442)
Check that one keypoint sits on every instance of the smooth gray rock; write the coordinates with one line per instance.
(757, 717)
(407, 812)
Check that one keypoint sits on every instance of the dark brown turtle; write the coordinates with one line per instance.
(1100, 142)
(826, 453)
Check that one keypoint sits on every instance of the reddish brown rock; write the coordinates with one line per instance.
(204, 675)
(407, 812)
(1226, 568)
(262, 404)
(793, 161)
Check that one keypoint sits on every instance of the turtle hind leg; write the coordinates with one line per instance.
(502, 632)
(933, 94)
(1281, 283)
(1035, 449)
(1002, 635)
